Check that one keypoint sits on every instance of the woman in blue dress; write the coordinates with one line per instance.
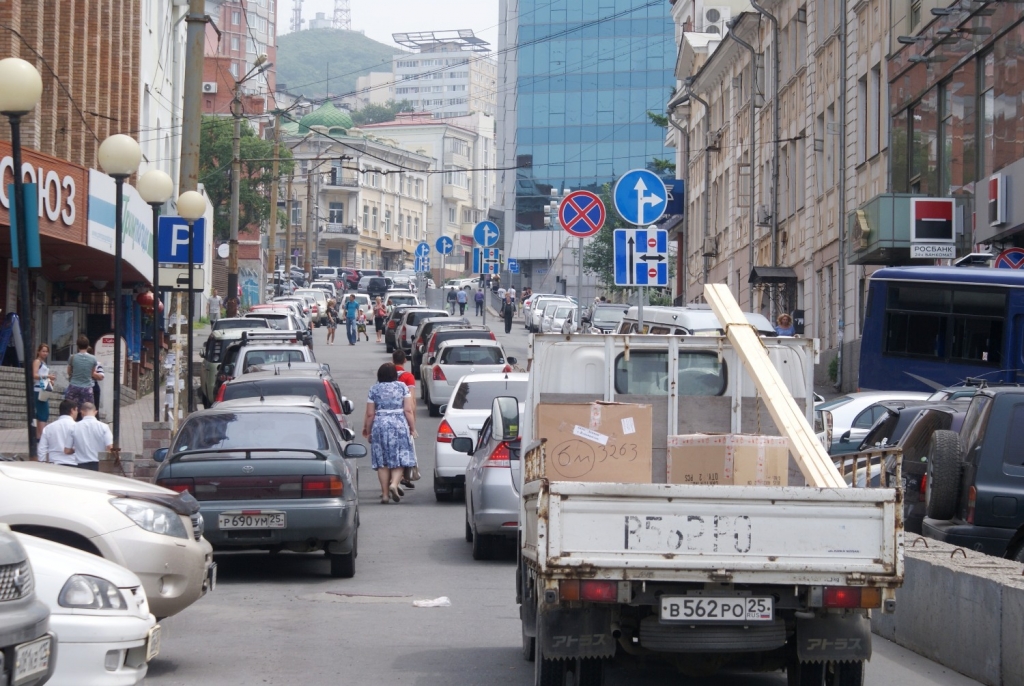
(390, 425)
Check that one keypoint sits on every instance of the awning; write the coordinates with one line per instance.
(674, 222)
(759, 275)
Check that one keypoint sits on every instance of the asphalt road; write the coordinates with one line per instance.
(284, 620)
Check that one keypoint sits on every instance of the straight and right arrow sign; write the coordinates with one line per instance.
(641, 257)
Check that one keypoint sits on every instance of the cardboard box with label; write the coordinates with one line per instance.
(728, 460)
(605, 442)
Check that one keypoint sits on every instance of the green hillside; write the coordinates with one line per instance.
(306, 59)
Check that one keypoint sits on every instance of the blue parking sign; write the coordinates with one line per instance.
(172, 241)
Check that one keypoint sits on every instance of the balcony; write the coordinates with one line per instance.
(450, 191)
(343, 232)
(879, 230)
(391, 242)
(454, 159)
(341, 182)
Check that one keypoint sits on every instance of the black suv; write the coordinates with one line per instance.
(974, 495)
(375, 286)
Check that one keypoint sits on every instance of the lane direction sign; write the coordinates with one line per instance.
(640, 197)
(421, 264)
(641, 257)
(513, 265)
(485, 234)
(423, 249)
(581, 214)
(486, 260)
(444, 245)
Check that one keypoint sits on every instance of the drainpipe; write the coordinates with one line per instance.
(753, 149)
(685, 141)
(776, 133)
(707, 180)
(841, 327)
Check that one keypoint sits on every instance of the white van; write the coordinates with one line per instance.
(691, 320)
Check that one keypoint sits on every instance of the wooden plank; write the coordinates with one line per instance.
(810, 455)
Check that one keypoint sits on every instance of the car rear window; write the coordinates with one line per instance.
(402, 299)
(282, 386)
(416, 316)
(646, 373)
(282, 356)
(277, 431)
(480, 395)
(455, 334)
(472, 354)
(225, 324)
(277, 322)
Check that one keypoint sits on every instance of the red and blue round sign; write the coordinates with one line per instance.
(1011, 258)
(581, 214)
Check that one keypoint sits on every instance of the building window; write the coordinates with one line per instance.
(862, 119)
(236, 17)
(408, 226)
(366, 217)
(416, 227)
(387, 222)
(233, 69)
(296, 213)
(452, 217)
(915, 13)
(336, 213)
(987, 103)
(373, 216)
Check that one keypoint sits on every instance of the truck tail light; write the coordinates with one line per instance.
(500, 457)
(972, 499)
(589, 589)
(922, 495)
(438, 374)
(445, 434)
(848, 597)
(182, 485)
(321, 486)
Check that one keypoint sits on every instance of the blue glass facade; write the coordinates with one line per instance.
(589, 71)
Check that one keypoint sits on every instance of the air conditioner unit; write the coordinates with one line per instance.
(764, 217)
(710, 247)
(209, 86)
(714, 140)
(715, 19)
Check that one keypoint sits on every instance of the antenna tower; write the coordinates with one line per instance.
(342, 15)
(296, 22)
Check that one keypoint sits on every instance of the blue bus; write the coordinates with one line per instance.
(927, 328)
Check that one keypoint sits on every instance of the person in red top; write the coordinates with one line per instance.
(406, 377)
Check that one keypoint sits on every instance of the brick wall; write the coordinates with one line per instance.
(154, 435)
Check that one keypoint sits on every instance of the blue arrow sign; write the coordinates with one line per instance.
(641, 257)
(513, 265)
(640, 197)
(172, 242)
(423, 249)
(444, 245)
(485, 234)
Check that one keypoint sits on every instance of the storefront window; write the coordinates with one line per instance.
(900, 157)
(959, 148)
(924, 158)
(1008, 108)
(988, 106)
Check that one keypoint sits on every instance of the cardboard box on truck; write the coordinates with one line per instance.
(728, 460)
(605, 442)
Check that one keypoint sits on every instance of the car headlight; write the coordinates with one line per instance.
(152, 517)
(84, 592)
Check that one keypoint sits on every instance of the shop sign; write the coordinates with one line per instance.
(62, 190)
(137, 223)
(931, 220)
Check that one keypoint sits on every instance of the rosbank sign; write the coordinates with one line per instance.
(62, 192)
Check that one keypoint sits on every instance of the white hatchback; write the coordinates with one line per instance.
(464, 415)
(455, 359)
(100, 613)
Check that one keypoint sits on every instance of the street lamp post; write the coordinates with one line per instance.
(156, 188)
(19, 96)
(191, 207)
(119, 156)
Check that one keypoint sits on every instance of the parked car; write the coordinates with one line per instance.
(467, 283)
(464, 414)
(854, 414)
(330, 288)
(350, 277)
(974, 496)
(391, 325)
(95, 513)
(283, 320)
(604, 318)
(492, 498)
(28, 649)
(375, 286)
(99, 612)
(235, 323)
(424, 330)
(404, 282)
(270, 477)
(455, 358)
(537, 308)
(406, 327)
(362, 301)
(277, 380)
(305, 307)
(559, 318)
(397, 298)
(439, 335)
(293, 308)
(212, 354)
(320, 297)
(246, 353)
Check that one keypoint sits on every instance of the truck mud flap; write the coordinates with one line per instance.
(835, 638)
(577, 633)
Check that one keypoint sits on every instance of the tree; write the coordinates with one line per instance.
(660, 120)
(662, 167)
(256, 176)
(378, 114)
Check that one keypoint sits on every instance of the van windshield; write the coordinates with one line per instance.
(646, 373)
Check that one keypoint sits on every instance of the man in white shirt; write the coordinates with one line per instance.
(91, 438)
(58, 436)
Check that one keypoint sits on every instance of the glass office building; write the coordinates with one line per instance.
(588, 73)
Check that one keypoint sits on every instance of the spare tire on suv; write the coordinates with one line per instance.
(943, 475)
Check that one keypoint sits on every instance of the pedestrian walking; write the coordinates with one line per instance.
(784, 325)
(379, 313)
(81, 374)
(390, 426)
(452, 299)
(361, 325)
(351, 312)
(508, 310)
(479, 300)
(91, 437)
(215, 302)
(44, 386)
(58, 436)
(406, 377)
(332, 321)
(512, 292)
(462, 299)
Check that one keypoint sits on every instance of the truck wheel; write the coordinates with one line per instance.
(589, 672)
(529, 645)
(546, 672)
(847, 673)
(943, 475)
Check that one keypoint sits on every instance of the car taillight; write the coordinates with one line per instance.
(180, 485)
(589, 589)
(332, 398)
(500, 457)
(430, 348)
(392, 324)
(403, 334)
(492, 336)
(221, 378)
(851, 597)
(220, 393)
(972, 498)
(922, 496)
(321, 486)
(445, 434)
(438, 373)
(507, 369)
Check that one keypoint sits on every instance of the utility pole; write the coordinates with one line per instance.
(286, 263)
(307, 265)
(192, 113)
(236, 177)
(272, 236)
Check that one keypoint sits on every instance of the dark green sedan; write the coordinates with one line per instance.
(270, 474)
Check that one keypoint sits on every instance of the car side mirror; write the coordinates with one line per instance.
(505, 418)
(348, 434)
(160, 454)
(461, 444)
(511, 360)
(432, 360)
(444, 409)
(202, 353)
(845, 438)
(355, 450)
(347, 406)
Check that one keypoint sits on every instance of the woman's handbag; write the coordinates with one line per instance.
(414, 474)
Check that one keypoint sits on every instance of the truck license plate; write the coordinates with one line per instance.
(264, 519)
(736, 609)
(31, 659)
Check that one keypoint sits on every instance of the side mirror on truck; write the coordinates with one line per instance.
(505, 418)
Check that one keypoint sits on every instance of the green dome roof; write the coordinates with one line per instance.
(326, 115)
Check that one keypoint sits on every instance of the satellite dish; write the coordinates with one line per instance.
(223, 251)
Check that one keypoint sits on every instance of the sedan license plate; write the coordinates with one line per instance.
(31, 660)
(720, 609)
(153, 643)
(252, 520)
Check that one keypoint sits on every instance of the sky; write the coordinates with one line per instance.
(380, 18)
